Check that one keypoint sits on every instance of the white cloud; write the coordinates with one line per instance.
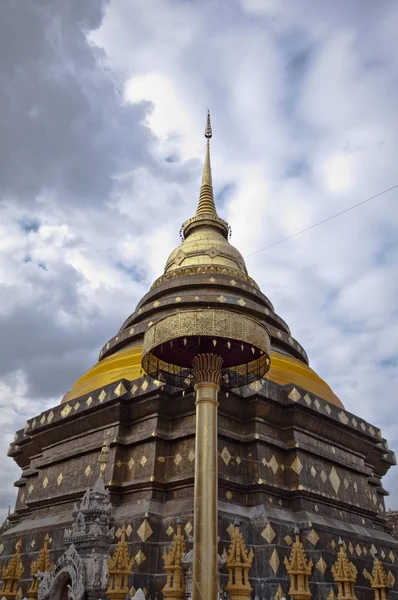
(304, 119)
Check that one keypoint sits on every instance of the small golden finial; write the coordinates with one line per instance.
(11, 574)
(239, 561)
(43, 565)
(299, 568)
(380, 581)
(208, 129)
(120, 567)
(175, 583)
(345, 574)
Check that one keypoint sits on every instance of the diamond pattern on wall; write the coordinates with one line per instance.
(296, 465)
(177, 459)
(351, 548)
(143, 461)
(87, 470)
(140, 557)
(358, 550)
(313, 471)
(59, 479)
(169, 530)
(45, 482)
(188, 528)
(345, 482)
(273, 464)
(392, 556)
(343, 417)
(191, 456)
(129, 530)
(313, 537)
(307, 399)
(328, 409)
(321, 565)
(334, 480)
(288, 540)
(102, 396)
(225, 455)
(144, 530)
(120, 390)
(323, 476)
(274, 561)
(294, 395)
(131, 463)
(230, 529)
(268, 533)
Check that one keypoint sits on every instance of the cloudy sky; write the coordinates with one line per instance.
(102, 108)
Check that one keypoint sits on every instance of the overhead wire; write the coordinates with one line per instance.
(289, 237)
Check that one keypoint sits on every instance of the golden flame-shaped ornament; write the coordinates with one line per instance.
(175, 583)
(345, 575)
(43, 564)
(11, 574)
(120, 567)
(379, 580)
(239, 561)
(299, 568)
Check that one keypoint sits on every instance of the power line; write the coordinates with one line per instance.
(289, 237)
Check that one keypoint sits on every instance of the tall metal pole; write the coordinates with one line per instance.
(207, 378)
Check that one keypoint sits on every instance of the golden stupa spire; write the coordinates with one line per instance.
(206, 205)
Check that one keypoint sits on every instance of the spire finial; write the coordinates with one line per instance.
(206, 204)
(208, 130)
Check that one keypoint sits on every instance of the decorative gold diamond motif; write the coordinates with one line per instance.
(89, 401)
(345, 483)
(256, 385)
(268, 533)
(321, 566)
(391, 578)
(363, 426)
(313, 537)
(328, 409)
(77, 406)
(188, 528)
(144, 530)
(131, 463)
(371, 430)
(178, 459)
(383, 554)
(102, 396)
(307, 399)
(222, 299)
(118, 533)
(355, 486)
(296, 465)
(351, 548)
(131, 330)
(59, 479)
(50, 417)
(228, 495)
(273, 464)
(129, 530)
(134, 389)
(225, 455)
(65, 411)
(33, 543)
(140, 557)
(120, 390)
(156, 304)
(288, 540)
(212, 280)
(313, 471)
(191, 456)
(358, 550)
(294, 395)
(334, 480)
(87, 470)
(143, 461)
(169, 530)
(144, 385)
(274, 561)
(230, 529)
(1, 548)
(45, 482)
(238, 460)
(391, 556)
(31, 488)
(343, 417)
(241, 302)
(43, 419)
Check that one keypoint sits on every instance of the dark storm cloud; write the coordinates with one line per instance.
(62, 124)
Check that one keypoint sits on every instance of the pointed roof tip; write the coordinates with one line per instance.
(208, 129)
